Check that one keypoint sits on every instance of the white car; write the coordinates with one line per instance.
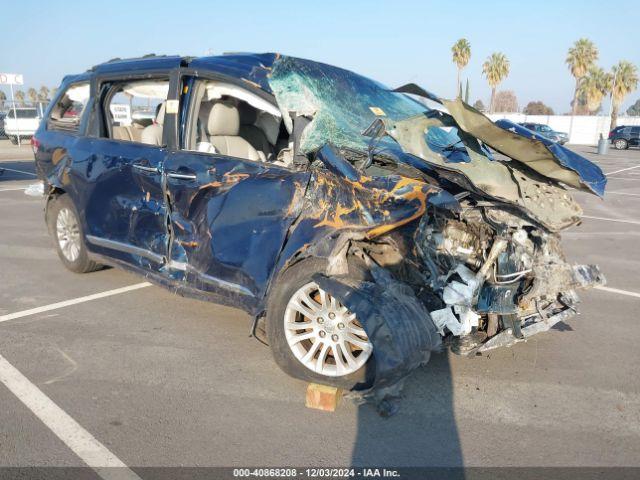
(21, 123)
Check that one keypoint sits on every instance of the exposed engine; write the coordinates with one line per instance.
(498, 276)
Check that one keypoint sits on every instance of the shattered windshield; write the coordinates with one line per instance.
(342, 103)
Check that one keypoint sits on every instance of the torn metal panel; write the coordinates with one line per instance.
(397, 323)
(542, 155)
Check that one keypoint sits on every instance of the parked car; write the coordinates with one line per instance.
(359, 228)
(2, 116)
(624, 136)
(547, 132)
(21, 122)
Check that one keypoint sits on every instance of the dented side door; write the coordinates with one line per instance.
(229, 218)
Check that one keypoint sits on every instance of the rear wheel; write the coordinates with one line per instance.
(621, 144)
(313, 336)
(64, 224)
(13, 139)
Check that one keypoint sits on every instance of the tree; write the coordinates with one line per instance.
(505, 101)
(461, 54)
(478, 105)
(633, 110)
(19, 96)
(33, 95)
(537, 108)
(580, 58)
(3, 98)
(43, 94)
(496, 69)
(594, 86)
(624, 81)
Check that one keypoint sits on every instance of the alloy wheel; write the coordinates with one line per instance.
(68, 233)
(323, 334)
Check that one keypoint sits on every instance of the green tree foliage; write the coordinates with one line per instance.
(634, 110)
(496, 69)
(461, 51)
(580, 58)
(624, 80)
(537, 108)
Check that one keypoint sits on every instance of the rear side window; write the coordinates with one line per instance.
(23, 113)
(67, 112)
(635, 131)
(134, 111)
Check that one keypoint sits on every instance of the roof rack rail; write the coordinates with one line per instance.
(119, 59)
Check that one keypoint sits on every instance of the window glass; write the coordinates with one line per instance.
(229, 120)
(23, 113)
(635, 130)
(134, 111)
(67, 112)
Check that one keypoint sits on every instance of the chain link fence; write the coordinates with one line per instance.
(20, 119)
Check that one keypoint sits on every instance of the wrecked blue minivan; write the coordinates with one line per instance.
(361, 227)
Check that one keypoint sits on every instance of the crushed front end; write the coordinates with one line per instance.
(500, 278)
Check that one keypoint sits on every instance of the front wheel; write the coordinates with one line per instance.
(313, 336)
(64, 224)
(621, 144)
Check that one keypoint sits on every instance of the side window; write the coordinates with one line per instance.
(229, 120)
(635, 131)
(67, 112)
(134, 111)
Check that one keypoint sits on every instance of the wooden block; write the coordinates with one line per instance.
(322, 397)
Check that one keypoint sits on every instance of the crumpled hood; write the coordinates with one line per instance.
(341, 105)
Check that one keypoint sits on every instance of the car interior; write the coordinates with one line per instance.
(136, 111)
(225, 119)
(229, 120)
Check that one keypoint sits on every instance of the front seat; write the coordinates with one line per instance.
(153, 133)
(223, 129)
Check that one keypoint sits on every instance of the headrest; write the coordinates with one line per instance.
(160, 114)
(224, 119)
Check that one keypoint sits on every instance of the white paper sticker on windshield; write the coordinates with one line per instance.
(378, 111)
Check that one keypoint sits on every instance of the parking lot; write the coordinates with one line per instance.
(159, 380)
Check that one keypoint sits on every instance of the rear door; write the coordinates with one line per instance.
(635, 136)
(123, 198)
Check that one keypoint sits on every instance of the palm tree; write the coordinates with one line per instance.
(33, 95)
(19, 96)
(44, 93)
(496, 69)
(594, 86)
(580, 58)
(3, 98)
(624, 81)
(461, 54)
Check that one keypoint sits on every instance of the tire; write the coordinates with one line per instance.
(66, 229)
(13, 139)
(620, 144)
(288, 283)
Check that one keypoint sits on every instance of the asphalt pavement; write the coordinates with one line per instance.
(160, 380)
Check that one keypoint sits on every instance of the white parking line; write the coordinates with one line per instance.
(12, 189)
(617, 290)
(73, 301)
(623, 193)
(622, 170)
(633, 222)
(17, 171)
(74, 436)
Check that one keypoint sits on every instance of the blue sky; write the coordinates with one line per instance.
(393, 42)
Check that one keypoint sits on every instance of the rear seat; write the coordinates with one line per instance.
(127, 133)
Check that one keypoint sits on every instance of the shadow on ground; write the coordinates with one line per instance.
(422, 434)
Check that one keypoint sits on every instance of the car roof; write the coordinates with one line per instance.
(251, 68)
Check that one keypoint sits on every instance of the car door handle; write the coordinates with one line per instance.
(145, 168)
(182, 176)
